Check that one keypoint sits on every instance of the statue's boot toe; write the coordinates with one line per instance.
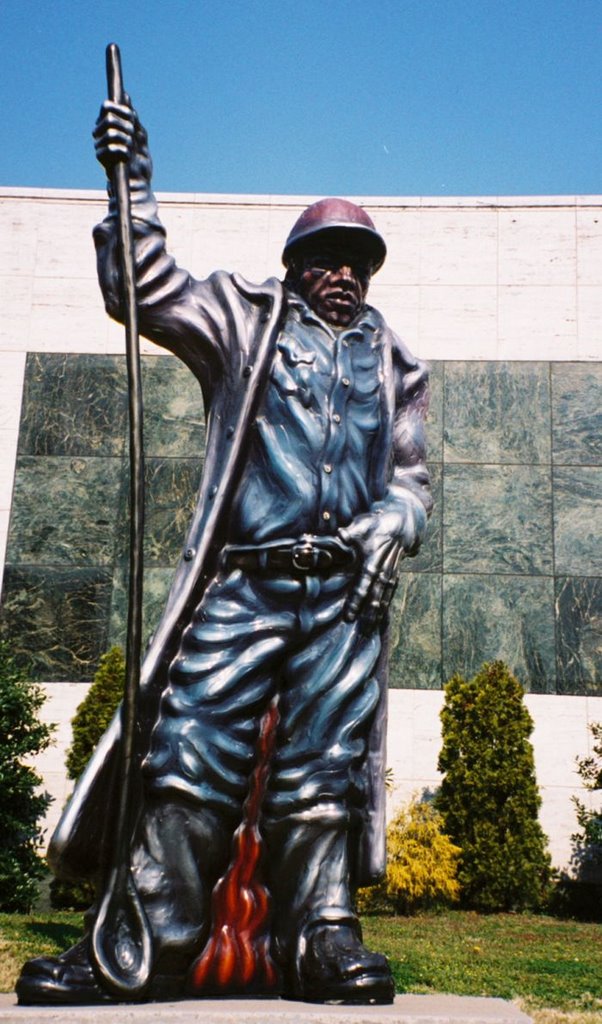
(335, 967)
(67, 979)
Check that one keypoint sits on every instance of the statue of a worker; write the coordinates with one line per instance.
(314, 485)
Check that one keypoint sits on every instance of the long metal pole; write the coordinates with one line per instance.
(121, 940)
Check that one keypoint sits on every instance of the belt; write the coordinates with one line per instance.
(305, 557)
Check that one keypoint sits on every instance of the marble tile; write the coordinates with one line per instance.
(458, 247)
(430, 558)
(415, 633)
(65, 310)
(65, 511)
(458, 321)
(497, 519)
(589, 323)
(55, 619)
(18, 237)
(73, 405)
(509, 617)
(578, 520)
(537, 247)
(15, 302)
(64, 243)
(497, 412)
(434, 422)
(12, 373)
(536, 322)
(224, 240)
(157, 582)
(589, 246)
(401, 231)
(579, 635)
(170, 491)
(577, 413)
(559, 736)
(174, 423)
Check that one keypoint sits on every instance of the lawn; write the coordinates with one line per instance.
(541, 961)
(544, 961)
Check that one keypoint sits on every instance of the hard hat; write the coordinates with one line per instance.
(339, 222)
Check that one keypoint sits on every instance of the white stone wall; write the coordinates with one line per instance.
(470, 278)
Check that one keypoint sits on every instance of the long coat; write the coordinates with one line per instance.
(225, 329)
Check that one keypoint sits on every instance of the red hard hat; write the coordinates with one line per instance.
(337, 221)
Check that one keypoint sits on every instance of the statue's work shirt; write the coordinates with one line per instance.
(313, 440)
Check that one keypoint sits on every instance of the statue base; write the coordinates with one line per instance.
(407, 1009)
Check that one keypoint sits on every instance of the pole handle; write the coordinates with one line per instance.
(114, 76)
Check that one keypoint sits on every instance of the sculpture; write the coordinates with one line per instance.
(260, 800)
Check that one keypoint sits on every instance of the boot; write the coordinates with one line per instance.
(317, 936)
(172, 840)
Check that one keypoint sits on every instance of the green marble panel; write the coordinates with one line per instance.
(73, 405)
(155, 590)
(434, 422)
(509, 617)
(578, 520)
(577, 413)
(415, 633)
(430, 558)
(496, 412)
(56, 620)
(497, 519)
(579, 635)
(174, 424)
(65, 511)
(170, 492)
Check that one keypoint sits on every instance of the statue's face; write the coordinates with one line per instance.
(334, 285)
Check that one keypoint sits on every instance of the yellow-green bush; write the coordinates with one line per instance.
(421, 864)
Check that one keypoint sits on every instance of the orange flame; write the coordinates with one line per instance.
(236, 958)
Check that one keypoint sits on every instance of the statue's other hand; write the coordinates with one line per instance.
(120, 138)
(381, 537)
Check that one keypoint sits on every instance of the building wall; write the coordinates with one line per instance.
(501, 295)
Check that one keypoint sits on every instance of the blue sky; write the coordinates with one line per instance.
(349, 97)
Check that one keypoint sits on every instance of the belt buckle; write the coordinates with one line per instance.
(307, 557)
(304, 556)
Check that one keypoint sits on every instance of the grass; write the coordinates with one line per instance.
(23, 936)
(544, 961)
(552, 967)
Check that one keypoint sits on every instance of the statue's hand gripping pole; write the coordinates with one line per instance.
(121, 939)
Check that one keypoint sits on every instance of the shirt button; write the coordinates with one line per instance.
(326, 515)
(328, 468)
(345, 382)
(336, 418)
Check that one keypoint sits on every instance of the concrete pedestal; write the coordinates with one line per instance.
(407, 1009)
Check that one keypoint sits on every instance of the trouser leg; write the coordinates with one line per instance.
(179, 852)
(316, 933)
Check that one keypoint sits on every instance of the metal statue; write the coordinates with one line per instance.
(258, 801)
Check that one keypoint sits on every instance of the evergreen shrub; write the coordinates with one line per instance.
(579, 893)
(95, 712)
(90, 721)
(587, 841)
(422, 865)
(489, 797)
(22, 803)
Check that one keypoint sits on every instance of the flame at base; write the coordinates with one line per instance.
(236, 958)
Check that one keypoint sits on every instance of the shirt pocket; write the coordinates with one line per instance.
(293, 369)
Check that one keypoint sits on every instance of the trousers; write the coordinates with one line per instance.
(254, 639)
